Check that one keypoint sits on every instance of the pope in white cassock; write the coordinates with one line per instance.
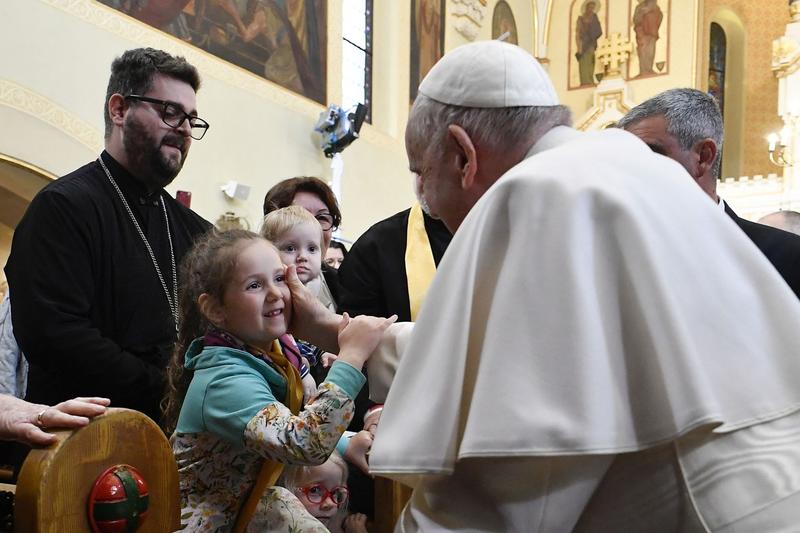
(601, 349)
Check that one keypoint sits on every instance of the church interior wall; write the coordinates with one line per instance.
(260, 132)
(52, 88)
(763, 22)
(678, 29)
(27, 135)
(391, 64)
(734, 97)
(525, 16)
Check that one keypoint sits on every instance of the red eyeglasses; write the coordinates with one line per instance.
(317, 493)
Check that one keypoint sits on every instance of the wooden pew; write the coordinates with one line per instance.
(55, 483)
(52, 492)
(390, 499)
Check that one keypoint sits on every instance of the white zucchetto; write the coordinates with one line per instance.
(489, 74)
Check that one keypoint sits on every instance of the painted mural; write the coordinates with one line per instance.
(503, 24)
(649, 33)
(589, 20)
(284, 41)
(427, 39)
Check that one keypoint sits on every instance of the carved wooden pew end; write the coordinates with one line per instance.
(118, 470)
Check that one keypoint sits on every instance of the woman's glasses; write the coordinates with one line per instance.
(325, 220)
(317, 493)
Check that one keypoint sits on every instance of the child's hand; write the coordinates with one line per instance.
(355, 523)
(357, 451)
(309, 388)
(358, 337)
(328, 358)
(309, 385)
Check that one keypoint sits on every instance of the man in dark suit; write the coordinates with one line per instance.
(686, 125)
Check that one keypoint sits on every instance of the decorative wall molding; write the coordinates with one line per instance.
(32, 103)
(28, 167)
(785, 56)
(469, 15)
(611, 102)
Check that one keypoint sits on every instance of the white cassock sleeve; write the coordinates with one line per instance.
(382, 366)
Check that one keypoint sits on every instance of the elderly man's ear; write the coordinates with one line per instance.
(467, 159)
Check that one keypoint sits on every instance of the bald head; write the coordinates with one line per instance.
(785, 220)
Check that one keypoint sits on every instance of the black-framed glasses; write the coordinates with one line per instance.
(173, 116)
(325, 220)
(317, 493)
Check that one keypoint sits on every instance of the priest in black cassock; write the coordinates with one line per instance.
(93, 262)
(389, 268)
(387, 272)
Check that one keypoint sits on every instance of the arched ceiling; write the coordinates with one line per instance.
(19, 183)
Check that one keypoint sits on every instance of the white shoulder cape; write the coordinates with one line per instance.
(593, 301)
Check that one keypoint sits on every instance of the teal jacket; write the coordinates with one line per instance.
(231, 386)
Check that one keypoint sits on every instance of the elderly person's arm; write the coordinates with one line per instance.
(312, 322)
(25, 422)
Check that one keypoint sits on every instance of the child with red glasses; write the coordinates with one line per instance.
(323, 492)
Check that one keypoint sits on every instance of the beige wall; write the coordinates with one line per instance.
(52, 89)
(524, 17)
(762, 22)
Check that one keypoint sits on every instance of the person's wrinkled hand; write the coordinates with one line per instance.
(25, 422)
(358, 337)
(310, 317)
(357, 452)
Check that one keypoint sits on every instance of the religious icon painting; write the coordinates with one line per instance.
(427, 39)
(503, 25)
(284, 41)
(648, 31)
(588, 21)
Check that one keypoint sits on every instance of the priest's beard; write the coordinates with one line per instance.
(147, 160)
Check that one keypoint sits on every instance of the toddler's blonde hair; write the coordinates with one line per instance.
(278, 222)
